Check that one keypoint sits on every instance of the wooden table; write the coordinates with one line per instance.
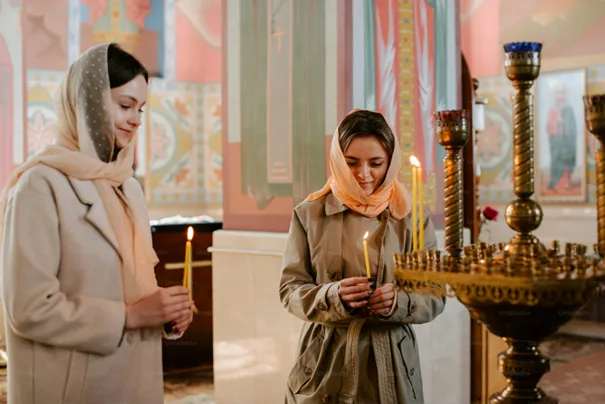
(194, 349)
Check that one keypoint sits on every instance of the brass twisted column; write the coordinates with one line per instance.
(523, 135)
(453, 133)
(524, 215)
(594, 112)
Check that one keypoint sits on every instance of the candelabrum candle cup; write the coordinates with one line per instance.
(453, 134)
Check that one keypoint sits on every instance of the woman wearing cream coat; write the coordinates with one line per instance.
(356, 346)
(83, 312)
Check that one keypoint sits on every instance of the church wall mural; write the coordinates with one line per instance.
(560, 136)
(184, 165)
(494, 148)
(409, 61)
(179, 156)
(495, 145)
(198, 31)
(137, 25)
(571, 32)
(46, 28)
(283, 104)
(12, 87)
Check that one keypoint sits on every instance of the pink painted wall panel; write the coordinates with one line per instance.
(45, 28)
(198, 26)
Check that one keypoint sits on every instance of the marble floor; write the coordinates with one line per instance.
(577, 369)
(189, 388)
(575, 361)
(576, 376)
(194, 387)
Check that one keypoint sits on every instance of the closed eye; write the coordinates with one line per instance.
(356, 163)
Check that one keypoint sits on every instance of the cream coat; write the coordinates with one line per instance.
(312, 268)
(63, 301)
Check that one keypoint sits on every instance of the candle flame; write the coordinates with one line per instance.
(414, 161)
(189, 233)
(365, 236)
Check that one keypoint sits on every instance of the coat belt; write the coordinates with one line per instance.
(384, 363)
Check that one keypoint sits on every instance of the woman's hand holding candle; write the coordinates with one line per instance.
(166, 305)
(382, 299)
(354, 292)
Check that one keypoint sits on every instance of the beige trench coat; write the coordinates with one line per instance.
(62, 295)
(312, 268)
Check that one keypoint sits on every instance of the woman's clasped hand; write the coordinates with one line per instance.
(166, 305)
(382, 299)
(354, 292)
(357, 292)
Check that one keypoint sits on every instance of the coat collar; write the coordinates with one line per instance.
(87, 193)
(334, 206)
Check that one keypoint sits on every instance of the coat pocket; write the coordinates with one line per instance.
(59, 374)
(305, 368)
(76, 378)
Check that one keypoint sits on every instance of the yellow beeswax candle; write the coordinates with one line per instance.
(415, 164)
(365, 252)
(190, 274)
(188, 257)
(420, 210)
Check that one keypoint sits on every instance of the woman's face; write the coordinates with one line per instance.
(368, 161)
(127, 103)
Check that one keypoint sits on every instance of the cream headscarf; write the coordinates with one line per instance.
(342, 183)
(84, 148)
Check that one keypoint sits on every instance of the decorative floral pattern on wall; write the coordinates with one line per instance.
(185, 164)
(41, 88)
(494, 146)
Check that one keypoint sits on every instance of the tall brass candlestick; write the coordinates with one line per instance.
(453, 133)
(522, 292)
(524, 215)
(594, 111)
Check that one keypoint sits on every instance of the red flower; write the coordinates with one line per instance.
(490, 213)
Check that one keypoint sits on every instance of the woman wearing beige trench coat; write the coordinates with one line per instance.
(357, 346)
(84, 315)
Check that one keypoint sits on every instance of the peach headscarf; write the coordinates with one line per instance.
(342, 184)
(84, 148)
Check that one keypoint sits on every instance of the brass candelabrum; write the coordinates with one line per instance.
(521, 290)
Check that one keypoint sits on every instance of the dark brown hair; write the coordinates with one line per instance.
(364, 123)
(123, 67)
